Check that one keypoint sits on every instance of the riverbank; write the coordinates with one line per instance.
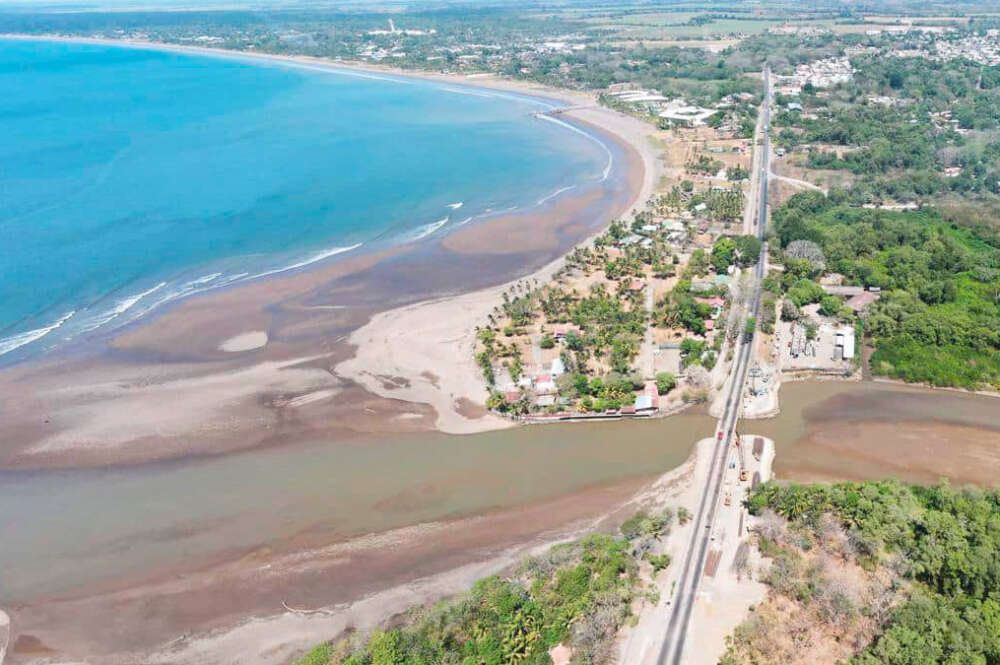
(544, 488)
(212, 590)
(171, 385)
(832, 430)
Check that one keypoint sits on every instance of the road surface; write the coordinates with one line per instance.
(703, 534)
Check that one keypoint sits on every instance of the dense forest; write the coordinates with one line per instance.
(938, 318)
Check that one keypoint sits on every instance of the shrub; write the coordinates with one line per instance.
(665, 382)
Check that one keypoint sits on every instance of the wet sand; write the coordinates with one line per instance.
(124, 541)
(165, 387)
(157, 551)
(112, 574)
(151, 614)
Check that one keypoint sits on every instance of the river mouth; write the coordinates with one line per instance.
(216, 540)
(86, 530)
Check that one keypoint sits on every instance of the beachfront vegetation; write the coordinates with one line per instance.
(938, 316)
(875, 573)
(576, 595)
(573, 344)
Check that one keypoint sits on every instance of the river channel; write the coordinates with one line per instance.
(68, 529)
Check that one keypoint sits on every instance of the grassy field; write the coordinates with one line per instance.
(658, 27)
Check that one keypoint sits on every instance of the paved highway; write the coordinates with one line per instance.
(702, 535)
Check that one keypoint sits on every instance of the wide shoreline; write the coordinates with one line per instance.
(263, 365)
(527, 246)
(418, 329)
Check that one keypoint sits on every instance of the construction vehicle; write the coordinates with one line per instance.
(743, 457)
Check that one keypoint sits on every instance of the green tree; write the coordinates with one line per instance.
(723, 254)
(665, 382)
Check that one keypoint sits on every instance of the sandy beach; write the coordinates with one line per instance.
(376, 342)
(312, 351)
(346, 355)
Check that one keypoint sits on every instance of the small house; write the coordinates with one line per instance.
(545, 400)
(653, 392)
(701, 285)
(644, 404)
(544, 385)
(844, 345)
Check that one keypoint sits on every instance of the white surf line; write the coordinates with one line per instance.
(611, 159)
(333, 68)
(204, 280)
(428, 229)
(325, 254)
(21, 339)
(187, 291)
(230, 279)
(554, 194)
(122, 306)
(455, 206)
(477, 91)
(460, 91)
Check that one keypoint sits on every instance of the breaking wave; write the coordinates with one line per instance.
(8, 344)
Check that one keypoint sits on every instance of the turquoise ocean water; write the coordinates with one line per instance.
(130, 178)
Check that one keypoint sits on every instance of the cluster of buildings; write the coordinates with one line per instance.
(907, 28)
(799, 30)
(824, 73)
(381, 43)
(675, 111)
(538, 386)
(984, 50)
(393, 30)
(377, 53)
(542, 390)
(831, 349)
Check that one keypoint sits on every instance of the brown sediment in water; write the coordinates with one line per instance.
(148, 613)
(510, 234)
(915, 451)
(163, 391)
(832, 430)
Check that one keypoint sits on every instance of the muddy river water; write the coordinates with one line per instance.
(66, 530)
(835, 431)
